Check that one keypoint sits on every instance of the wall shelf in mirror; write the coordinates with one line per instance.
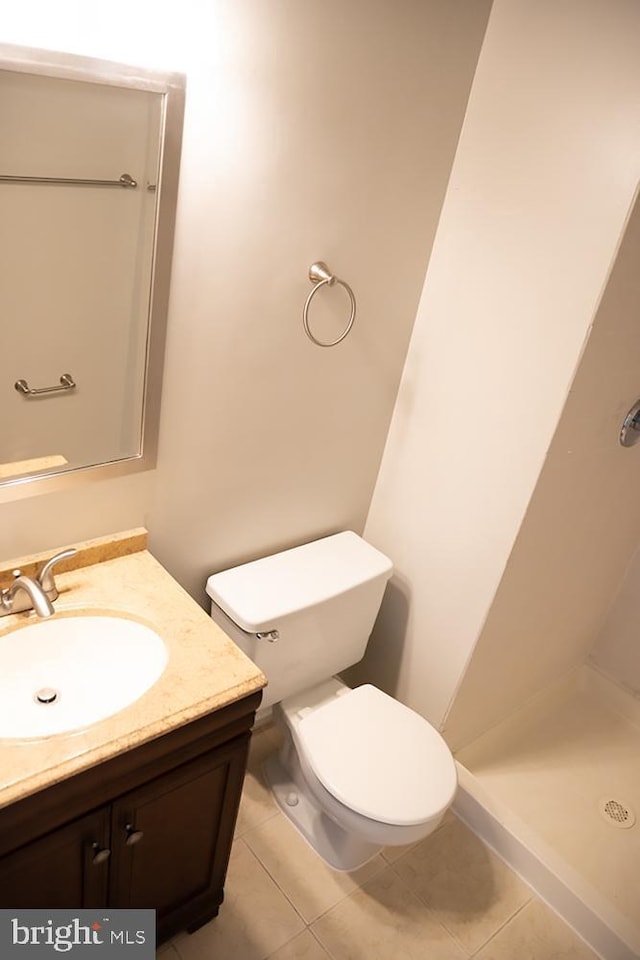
(84, 269)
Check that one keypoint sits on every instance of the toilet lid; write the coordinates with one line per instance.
(379, 758)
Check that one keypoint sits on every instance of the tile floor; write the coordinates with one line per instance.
(446, 898)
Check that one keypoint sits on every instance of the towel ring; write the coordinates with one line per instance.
(319, 274)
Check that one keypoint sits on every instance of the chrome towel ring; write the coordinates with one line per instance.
(319, 274)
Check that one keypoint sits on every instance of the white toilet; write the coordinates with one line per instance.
(358, 770)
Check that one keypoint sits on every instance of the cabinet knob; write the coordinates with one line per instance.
(100, 854)
(133, 836)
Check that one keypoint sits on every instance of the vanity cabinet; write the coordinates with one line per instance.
(56, 870)
(149, 828)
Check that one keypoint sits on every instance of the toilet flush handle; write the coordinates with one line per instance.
(271, 635)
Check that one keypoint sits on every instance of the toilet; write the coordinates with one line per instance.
(358, 770)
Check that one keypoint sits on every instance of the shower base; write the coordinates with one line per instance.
(555, 790)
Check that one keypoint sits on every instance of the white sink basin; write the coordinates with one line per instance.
(88, 667)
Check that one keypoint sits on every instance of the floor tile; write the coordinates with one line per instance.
(311, 886)
(265, 739)
(536, 933)
(391, 854)
(303, 947)
(256, 805)
(254, 921)
(472, 892)
(167, 952)
(384, 921)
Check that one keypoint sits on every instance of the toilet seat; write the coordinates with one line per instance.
(378, 757)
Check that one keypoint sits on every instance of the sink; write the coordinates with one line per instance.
(69, 672)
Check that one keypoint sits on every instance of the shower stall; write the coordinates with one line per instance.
(546, 721)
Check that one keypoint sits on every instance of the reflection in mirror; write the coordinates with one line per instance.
(89, 160)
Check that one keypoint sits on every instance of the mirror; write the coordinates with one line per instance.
(89, 162)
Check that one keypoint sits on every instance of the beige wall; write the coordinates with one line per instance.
(579, 533)
(308, 135)
(616, 652)
(543, 179)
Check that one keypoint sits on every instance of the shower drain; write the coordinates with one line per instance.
(616, 813)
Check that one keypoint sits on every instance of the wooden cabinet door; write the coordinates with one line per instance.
(58, 871)
(171, 839)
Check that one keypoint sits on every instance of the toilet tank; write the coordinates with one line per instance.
(322, 598)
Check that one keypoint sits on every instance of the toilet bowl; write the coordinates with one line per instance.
(358, 770)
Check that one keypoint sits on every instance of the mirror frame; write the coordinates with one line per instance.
(172, 86)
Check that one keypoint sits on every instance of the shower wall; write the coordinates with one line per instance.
(579, 533)
(616, 652)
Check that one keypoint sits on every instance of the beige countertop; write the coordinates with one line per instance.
(205, 671)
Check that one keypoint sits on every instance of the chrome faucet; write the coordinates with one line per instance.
(39, 600)
(44, 576)
(33, 593)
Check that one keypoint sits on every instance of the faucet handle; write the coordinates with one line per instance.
(44, 576)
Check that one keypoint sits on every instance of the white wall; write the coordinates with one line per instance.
(308, 135)
(542, 182)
